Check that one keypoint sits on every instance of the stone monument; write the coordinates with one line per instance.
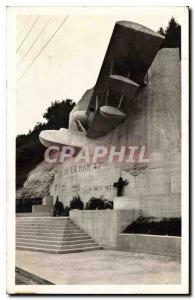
(135, 101)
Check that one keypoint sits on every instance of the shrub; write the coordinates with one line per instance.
(66, 211)
(58, 209)
(156, 226)
(98, 203)
(76, 203)
(108, 204)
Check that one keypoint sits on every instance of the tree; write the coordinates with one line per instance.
(21, 140)
(97, 203)
(29, 150)
(172, 35)
(57, 115)
(76, 203)
(161, 31)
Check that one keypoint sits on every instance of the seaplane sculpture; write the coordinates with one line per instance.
(130, 53)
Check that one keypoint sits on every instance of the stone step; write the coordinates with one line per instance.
(58, 226)
(41, 214)
(42, 220)
(57, 242)
(44, 230)
(54, 238)
(54, 230)
(46, 226)
(59, 251)
(57, 222)
(51, 246)
(50, 234)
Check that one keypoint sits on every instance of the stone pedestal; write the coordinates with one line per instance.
(46, 210)
(124, 202)
(104, 225)
(47, 200)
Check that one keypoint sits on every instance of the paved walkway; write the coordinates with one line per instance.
(100, 267)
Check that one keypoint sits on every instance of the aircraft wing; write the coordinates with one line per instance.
(130, 53)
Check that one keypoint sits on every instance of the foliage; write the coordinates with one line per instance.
(57, 115)
(29, 150)
(98, 203)
(76, 203)
(58, 209)
(172, 34)
(155, 226)
(66, 211)
(161, 31)
(108, 204)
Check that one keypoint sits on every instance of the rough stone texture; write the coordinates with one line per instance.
(153, 121)
(154, 244)
(38, 182)
(104, 225)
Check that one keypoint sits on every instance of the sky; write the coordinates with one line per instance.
(54, 66)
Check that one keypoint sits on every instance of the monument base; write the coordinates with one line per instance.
(124, 202)
(46, 210)
(47, 200)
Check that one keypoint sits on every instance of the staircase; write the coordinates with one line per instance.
(52, 235)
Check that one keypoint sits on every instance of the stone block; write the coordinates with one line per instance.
(47, 200)
(104, 225)
(46, 209)
(153, 244)
(124, 202)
